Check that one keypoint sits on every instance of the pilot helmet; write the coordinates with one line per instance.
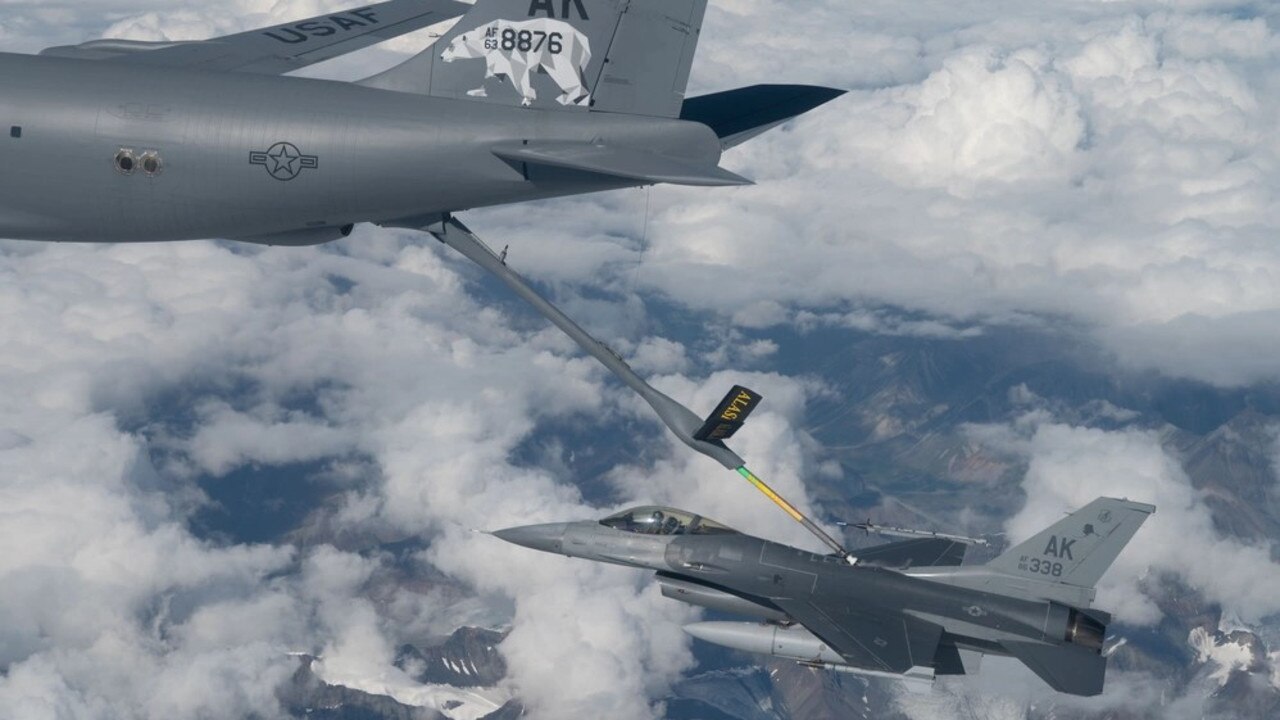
(655, 521)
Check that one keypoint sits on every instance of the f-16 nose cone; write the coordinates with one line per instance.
(547, 538)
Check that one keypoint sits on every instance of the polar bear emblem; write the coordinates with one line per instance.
(517, 49)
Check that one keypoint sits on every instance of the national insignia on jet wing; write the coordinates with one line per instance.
(284, 161)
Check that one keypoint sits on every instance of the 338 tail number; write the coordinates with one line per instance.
(1044, 567)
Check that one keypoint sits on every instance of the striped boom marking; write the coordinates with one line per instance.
(791, 510)
(769, 493)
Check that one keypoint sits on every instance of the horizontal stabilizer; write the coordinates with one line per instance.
(739, 115)
(1066, 668)
(922, 552)
(729, 415)
(625, 163)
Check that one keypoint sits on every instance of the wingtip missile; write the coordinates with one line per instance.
(870, 527)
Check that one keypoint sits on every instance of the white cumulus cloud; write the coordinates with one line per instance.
(1069, 466)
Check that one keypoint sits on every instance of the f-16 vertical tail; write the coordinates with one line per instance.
(625, 56)
(1079, 548)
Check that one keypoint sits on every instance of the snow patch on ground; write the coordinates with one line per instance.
(453, 703)
(1228, 656)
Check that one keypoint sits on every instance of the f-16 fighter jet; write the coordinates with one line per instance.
(127, 141)
(906, 609)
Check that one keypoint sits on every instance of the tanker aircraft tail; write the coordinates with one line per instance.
(738, 115)
(615, 56)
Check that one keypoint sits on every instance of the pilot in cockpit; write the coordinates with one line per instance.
(655, 523)
(662, 521)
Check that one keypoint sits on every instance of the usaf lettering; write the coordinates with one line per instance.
(548, 7)
(304, 31)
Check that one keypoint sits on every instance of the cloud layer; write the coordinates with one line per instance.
(1105, 166)
(398, 364)
(1068, 466)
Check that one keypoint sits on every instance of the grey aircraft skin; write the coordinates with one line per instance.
(906, 609)
(120, 141)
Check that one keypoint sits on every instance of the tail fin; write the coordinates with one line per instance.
(1079, 548)
(624, 56)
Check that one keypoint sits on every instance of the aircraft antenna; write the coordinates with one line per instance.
(893, 531)
(705, 436)
(644, 239)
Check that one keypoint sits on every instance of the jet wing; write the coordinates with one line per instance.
(869, 639)
(920, 552)
(280, 49)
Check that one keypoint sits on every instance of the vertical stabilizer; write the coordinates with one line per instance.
(646, 70)
(1079, 548)
(625, 56)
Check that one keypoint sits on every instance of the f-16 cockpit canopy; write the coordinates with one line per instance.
(653, 520)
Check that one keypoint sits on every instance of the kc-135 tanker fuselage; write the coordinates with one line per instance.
(342, 153)
(127, 141)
